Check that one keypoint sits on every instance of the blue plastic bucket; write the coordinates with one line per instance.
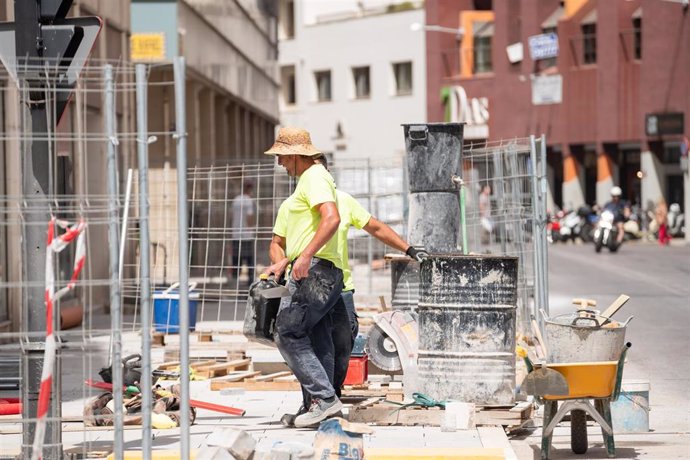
(166, 309)
(630, 413)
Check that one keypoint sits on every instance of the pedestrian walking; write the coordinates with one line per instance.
(309, 245)
(485, 214)
(661, 218)
(243, 232)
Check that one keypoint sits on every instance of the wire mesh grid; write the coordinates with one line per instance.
(501, 208)
(231, 212)
(69, 164)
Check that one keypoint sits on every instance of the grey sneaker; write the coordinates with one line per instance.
(288, 420)
(319, 411)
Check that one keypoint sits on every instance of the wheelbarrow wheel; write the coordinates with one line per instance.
(578, 431)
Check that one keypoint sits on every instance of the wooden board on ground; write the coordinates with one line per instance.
(391, 414)
(208, 350)
(221, 369)
(393, 391)
(254, 381)
(205, 330)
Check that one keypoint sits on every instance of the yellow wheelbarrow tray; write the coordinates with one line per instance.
(586, 380)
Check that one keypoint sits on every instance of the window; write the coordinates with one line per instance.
(483, 33)
(287, 84)
(589, 43)
(323, 85)
(360, 75)
(550, 62)
(287, 19)
(403, 78)
(637, 37)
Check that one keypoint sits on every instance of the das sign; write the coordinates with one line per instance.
(474, 112)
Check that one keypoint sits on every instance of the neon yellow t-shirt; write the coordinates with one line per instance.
(298, 220)
(351, 214)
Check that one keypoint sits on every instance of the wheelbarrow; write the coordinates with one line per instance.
(574, 385)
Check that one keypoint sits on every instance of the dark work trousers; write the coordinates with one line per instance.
(305, 324)
(243, 253)
(342, 346)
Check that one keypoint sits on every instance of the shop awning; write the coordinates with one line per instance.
(637, 14)
(483, 29)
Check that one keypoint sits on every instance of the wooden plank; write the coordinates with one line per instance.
(386, 414)
(269, 377)
(521, 406)
(218, 369)
(288, 378)
(256, 386)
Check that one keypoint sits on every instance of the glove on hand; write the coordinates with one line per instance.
(417, 254)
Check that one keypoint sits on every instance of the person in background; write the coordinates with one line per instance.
(618, 207)
(308, 243)
(243, 232)
(485, 214)
(661, 218)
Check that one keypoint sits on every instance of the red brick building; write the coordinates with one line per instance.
(614, 103)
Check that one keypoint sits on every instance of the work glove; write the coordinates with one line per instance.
(417, 254)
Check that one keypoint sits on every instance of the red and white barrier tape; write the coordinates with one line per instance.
(54, 246)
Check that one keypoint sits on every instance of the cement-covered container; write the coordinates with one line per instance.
(467, 320)
(404, 283)
(434, 221)
(434, 155)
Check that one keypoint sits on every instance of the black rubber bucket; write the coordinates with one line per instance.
(434, 155)
(467, 319)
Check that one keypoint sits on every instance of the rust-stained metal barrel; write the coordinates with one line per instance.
(467, 315)
(404, 283)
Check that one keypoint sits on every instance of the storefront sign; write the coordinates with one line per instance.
(462, 109)
(669, 123)
(547, 89)
(543, 46)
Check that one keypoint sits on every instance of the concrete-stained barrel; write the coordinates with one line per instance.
(467, 315)
(404, 283)
(434, 155)
(434, 221)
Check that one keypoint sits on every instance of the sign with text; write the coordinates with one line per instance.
(543, 46)
(668, 123)
(547, 89)
(148, 47)
(473, 111)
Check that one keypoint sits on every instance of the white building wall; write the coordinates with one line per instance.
(371, 126)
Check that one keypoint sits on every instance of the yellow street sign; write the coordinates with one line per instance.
(147, 47)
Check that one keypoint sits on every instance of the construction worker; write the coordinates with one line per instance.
(351, 214)
(309, 244)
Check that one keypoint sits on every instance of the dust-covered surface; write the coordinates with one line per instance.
(434, 221)
(467, 320)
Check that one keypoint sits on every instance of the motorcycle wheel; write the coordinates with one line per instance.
(597, 246)
(613, 245)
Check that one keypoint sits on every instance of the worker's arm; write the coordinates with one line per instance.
(279, 260)
(328, 225)
(385, 234)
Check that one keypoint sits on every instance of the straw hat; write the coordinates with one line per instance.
(293, 141)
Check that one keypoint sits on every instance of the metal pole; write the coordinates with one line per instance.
(370, 239)
(538, 298)
(542, 231)
(35, 177)
(181, 136)
(113, 245)
(144, 248)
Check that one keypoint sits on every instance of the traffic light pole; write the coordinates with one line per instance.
(35, 190)
(35, 180)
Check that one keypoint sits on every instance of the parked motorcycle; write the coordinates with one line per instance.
(588, 222)
(606, 233)
(676, 221)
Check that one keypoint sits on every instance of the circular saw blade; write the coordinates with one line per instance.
(382, 351)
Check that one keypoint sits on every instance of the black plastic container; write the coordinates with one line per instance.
(260, 314)
(434, 155)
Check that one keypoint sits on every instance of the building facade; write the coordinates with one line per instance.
(353, 77)
(607, 83)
